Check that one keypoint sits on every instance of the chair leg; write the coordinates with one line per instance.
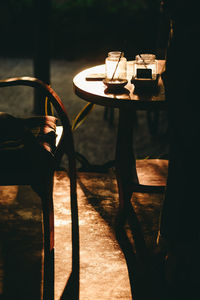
(48, 283)
(73, 283)
(48, 225)
(45, 191)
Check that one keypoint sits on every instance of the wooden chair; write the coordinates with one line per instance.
(39, 174)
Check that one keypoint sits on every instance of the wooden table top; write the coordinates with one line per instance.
(97, 93)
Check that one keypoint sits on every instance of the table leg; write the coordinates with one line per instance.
(125, 159)
(126, 174)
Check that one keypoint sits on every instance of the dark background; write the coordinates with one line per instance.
(79, 33)
(81, 28)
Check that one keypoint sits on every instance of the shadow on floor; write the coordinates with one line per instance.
(21, 247)
(20, 252)
(144, 267)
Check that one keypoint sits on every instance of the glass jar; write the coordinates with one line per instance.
(116, 66)
(145, 66)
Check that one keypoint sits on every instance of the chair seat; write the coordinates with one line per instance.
(27, 147)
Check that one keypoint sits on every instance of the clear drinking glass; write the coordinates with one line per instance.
(145, 66)
(116, 66)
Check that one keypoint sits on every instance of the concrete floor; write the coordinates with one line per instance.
(110, 267)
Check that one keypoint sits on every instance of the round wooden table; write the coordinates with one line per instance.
(96, 92)
(128, 100)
